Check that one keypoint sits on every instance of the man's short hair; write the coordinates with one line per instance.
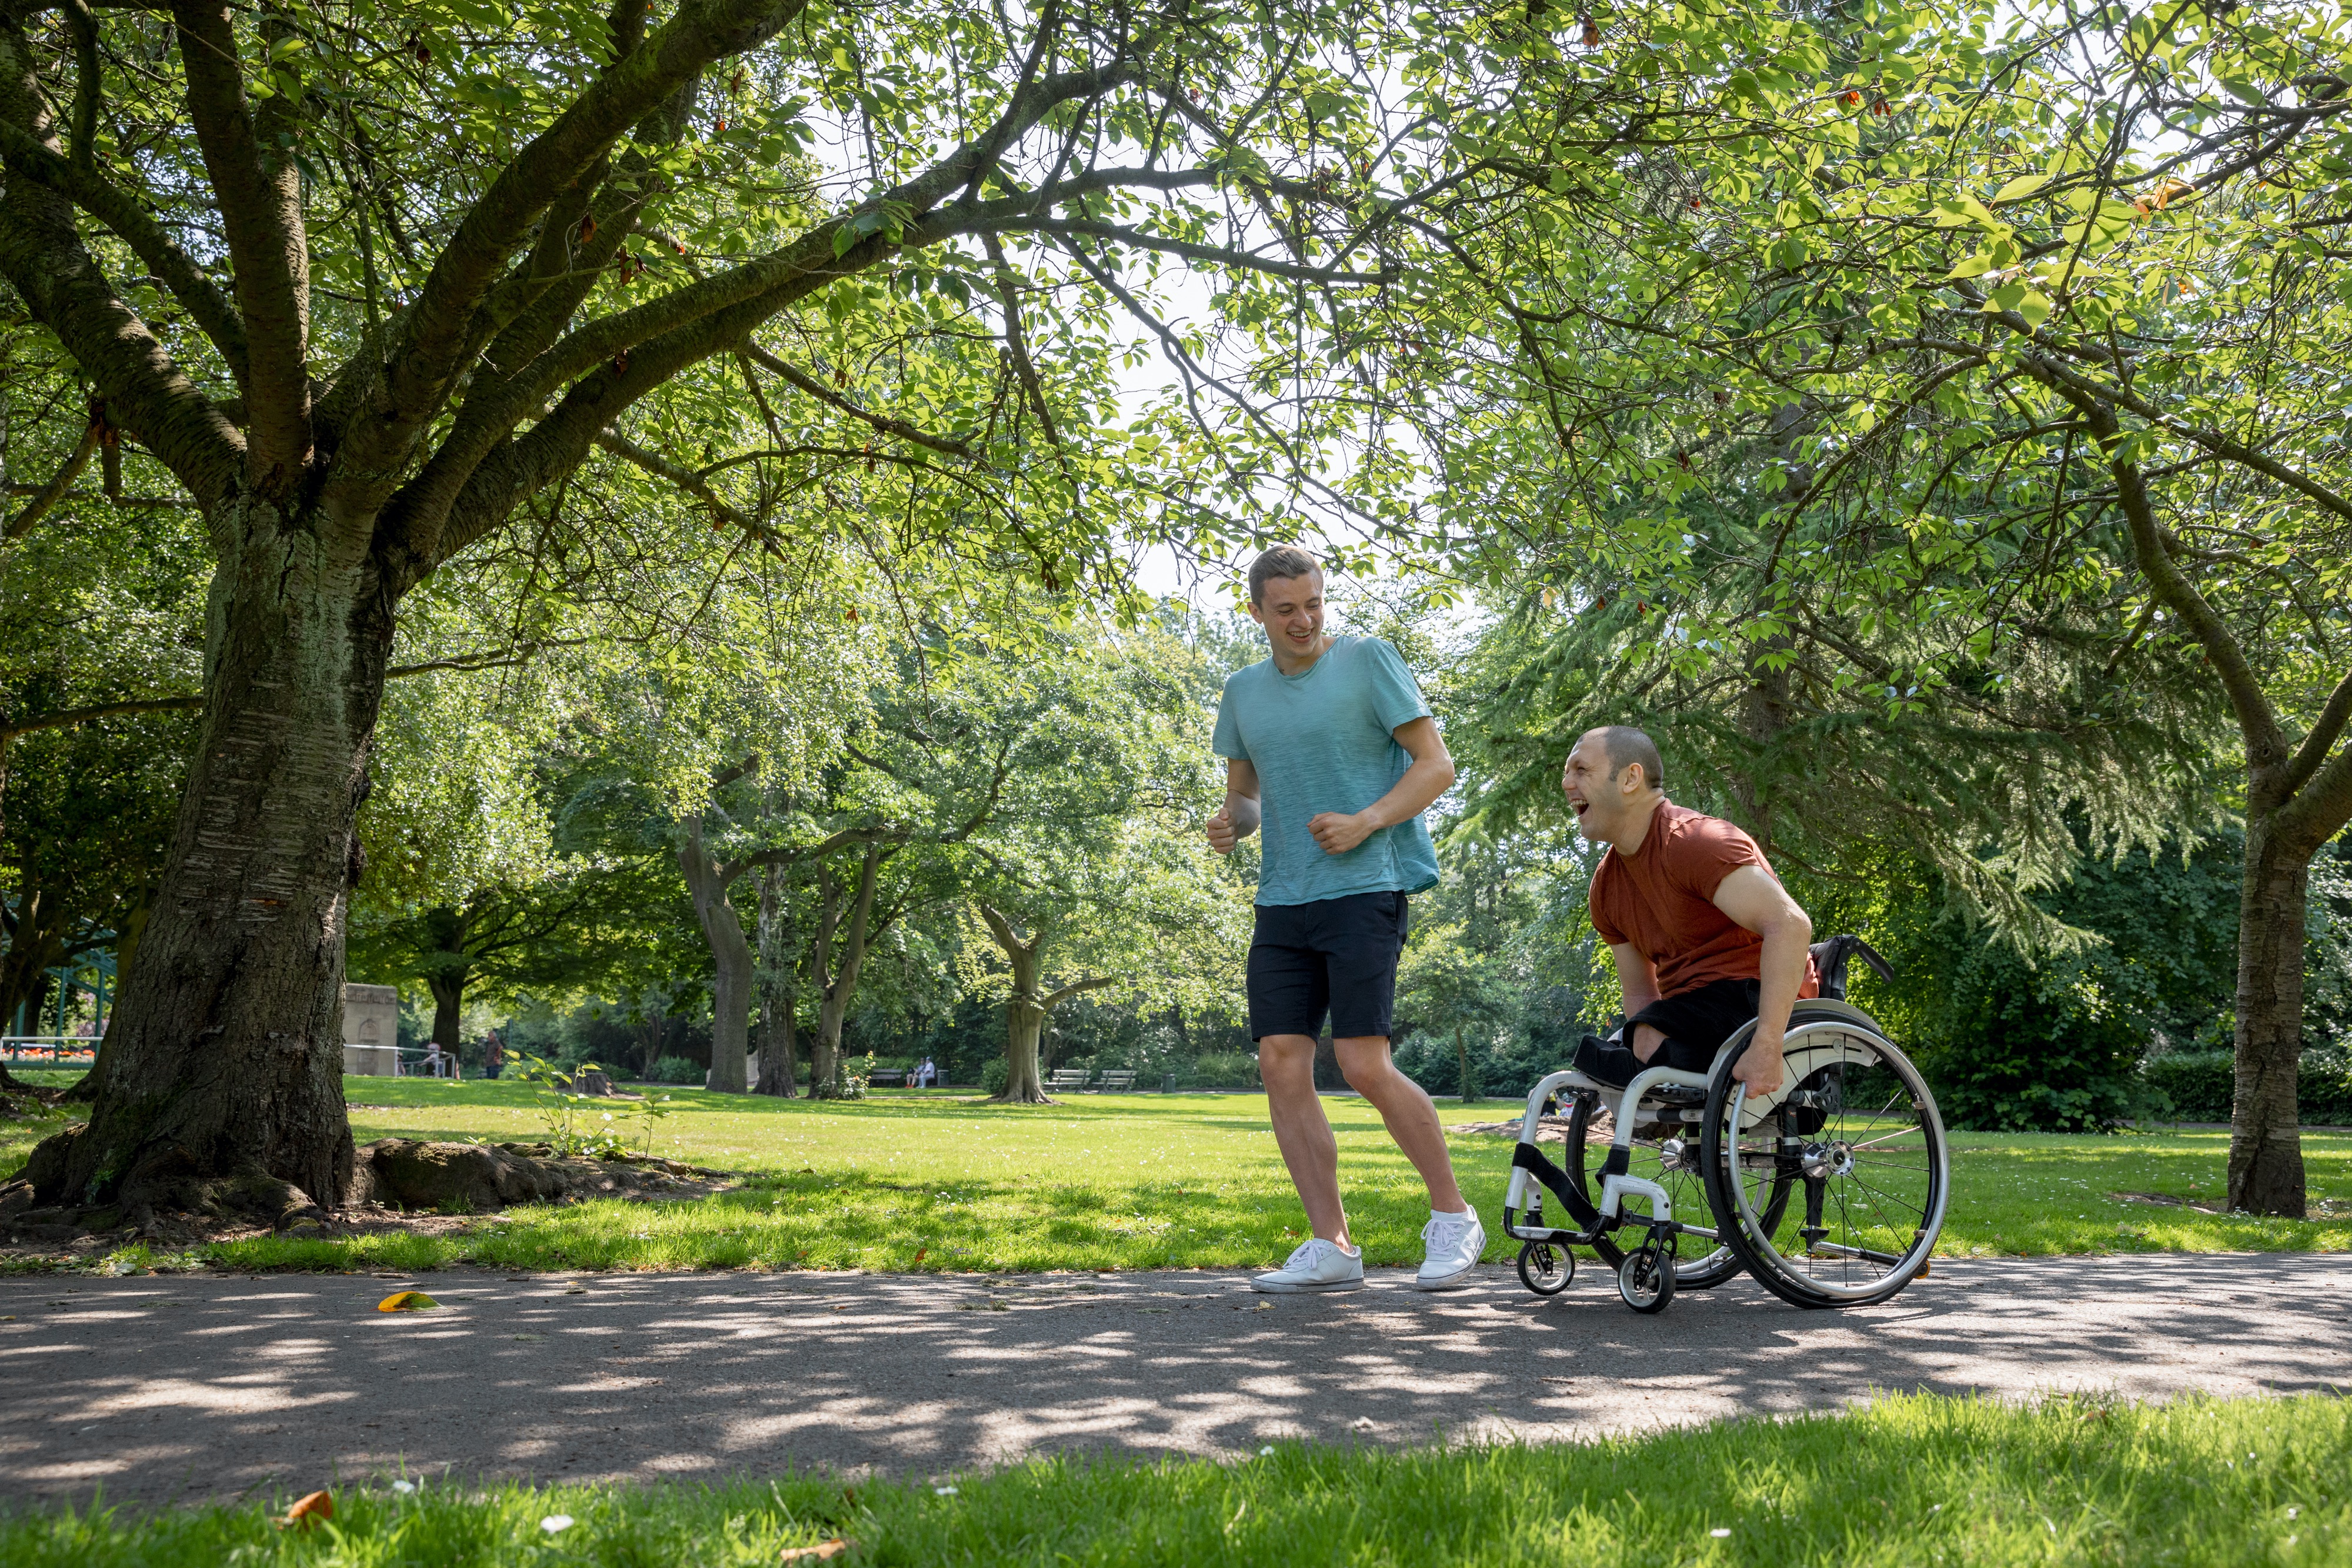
(1627, 745)
(1282, 560)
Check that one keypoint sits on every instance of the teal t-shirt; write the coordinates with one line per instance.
(1326, 741)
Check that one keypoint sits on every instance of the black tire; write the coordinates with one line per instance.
(1645, 1284)
(1865, 1144)
(1683, 1184)
(1546, 1268)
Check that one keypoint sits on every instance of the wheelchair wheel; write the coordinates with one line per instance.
(1854, 1133)
(1647, 1277)
(1666, 1153)
(1545, 1268)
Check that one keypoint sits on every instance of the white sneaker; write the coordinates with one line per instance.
(1316, 1265)
(1454, 1243)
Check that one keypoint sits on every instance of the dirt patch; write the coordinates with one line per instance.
(2161, 1200)
(403, 1185)
(1549, 1130)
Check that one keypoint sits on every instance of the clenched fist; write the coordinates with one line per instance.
(1222, 837)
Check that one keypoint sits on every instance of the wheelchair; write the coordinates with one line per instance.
(1831, 1191)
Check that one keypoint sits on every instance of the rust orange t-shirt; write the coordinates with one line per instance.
(1660, 900)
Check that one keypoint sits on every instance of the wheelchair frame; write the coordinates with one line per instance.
(1646, 1279)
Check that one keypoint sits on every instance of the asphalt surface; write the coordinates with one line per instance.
(197, 1388)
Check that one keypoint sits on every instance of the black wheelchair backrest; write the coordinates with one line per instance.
(1830, 958)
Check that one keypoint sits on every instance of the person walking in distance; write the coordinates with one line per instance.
(1332, 755)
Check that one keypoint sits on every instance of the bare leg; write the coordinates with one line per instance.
(1286, 1063)
(1646, 1041)
(1405, 1107)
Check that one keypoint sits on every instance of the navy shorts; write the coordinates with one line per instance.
(1336, 955)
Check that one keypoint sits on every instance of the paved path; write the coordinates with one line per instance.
(195, 1388)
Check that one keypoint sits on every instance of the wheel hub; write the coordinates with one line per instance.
(1822, 1160)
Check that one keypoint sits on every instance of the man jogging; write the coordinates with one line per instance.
(1330, 749)
(1704, 936)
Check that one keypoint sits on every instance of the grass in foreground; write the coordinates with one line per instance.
(939, 1181)
(1913, 1480)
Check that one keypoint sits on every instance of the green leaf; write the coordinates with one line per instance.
(2035, 307)
(1974, 266)
(2017, 190)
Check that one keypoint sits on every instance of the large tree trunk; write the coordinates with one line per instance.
(779, 1069)
(224, 1077)
(2265, 1137)
(839, 984)
(731, 986)
(1024, 1010)
(448, 989)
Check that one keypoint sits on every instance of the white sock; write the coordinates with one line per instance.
(1440, 1214)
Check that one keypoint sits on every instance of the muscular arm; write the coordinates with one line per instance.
(1239, 819)
(1754, 898)
(1637, 977)
(1431, 775)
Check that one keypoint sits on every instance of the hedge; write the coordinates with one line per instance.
(2198, 1085)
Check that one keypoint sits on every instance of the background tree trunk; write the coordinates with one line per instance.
(1023, 1022)
(2265, 1129)
(223, 1079)
(839, 985)
(779, 1069)
(448, 989)
(730, 985)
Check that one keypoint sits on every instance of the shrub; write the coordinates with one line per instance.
(2040, 1048)
(674, 1069)
(2197, 1086)
(1224, 1070)
(995, 1075)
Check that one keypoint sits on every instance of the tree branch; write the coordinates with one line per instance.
(2323, 731)
(258, 185)
(442, 328)
(1067, 992)
(43, 256)
(33, 511)
(824, 393)
(694, 485)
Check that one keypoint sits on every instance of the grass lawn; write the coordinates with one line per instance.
(936, 1180)
(1912, 1479)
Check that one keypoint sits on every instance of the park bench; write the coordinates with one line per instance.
(888, 1078)
(1068, 1078)
(1116, 1079)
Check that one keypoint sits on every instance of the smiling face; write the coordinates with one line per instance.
(1608, 805)
(1291, 610)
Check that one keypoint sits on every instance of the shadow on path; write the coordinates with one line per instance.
(209, 1389)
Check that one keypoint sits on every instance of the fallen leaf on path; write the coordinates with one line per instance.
(309, 1511)
(406, 1301)
(821, 1551)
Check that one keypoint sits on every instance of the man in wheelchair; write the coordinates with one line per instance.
(1704, 936)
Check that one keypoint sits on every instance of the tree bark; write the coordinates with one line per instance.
(839, 986)
(2266, 1173)
(779, 1069)
(448, 989)
(731, 986)
(224, 1076)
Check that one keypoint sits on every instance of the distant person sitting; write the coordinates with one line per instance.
(926, 1076)
(1704, 936)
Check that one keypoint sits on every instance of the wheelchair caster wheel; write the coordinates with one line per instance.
(1545, 1268)
(1646, 1279)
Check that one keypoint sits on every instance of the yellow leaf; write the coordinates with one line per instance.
(406, 1301)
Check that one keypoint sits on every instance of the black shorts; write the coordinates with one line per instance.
(1697, 1023)
(1336, 955)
